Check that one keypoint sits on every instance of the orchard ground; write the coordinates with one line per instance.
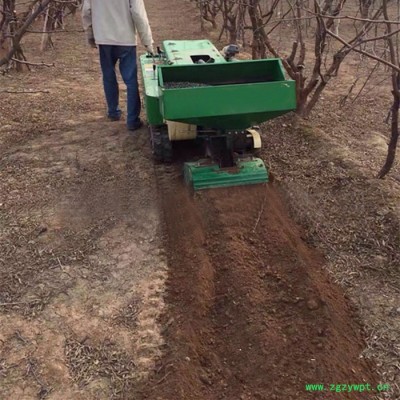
(118, 282)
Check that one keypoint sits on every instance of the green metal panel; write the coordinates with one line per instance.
(180, 52)
(237, 95)
(151, 97)
(228, 102)
(247, 71)
(211, 176)
(233, 122)
(230, 106)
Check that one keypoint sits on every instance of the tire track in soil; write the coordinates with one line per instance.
(251, 313)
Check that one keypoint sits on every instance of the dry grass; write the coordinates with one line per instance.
(128, 315)
(87, 362)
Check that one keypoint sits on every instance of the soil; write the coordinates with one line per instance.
(252, 314)
(119, 282)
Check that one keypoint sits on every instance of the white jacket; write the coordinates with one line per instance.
(116, 22)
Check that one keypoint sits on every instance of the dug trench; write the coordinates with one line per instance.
(251, 314)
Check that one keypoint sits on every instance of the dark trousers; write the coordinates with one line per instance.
(109, 55)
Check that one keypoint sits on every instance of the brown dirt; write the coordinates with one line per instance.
(117, 282)
(81, 267)
(252, 314)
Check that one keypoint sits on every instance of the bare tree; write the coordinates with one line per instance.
(313, 68)
(312, 71)
(13, 25)
(8, 29)
(233, 15)
(209, 9)
(365, 6)
(54, 19)
(394, 59)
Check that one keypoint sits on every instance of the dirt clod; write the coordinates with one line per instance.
(312, 304)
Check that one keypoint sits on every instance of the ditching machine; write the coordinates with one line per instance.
(194, 92)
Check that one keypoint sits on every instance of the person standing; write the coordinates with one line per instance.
(113, 27)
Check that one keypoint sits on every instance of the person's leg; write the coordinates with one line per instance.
(108, 59)
(128, 68)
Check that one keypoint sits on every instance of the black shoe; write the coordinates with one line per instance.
(117, 118)
(136, 126)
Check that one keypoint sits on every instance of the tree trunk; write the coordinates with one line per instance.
(314, 99)
(45, 36)
(201, 15)
(365, 5)
(394, 137)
